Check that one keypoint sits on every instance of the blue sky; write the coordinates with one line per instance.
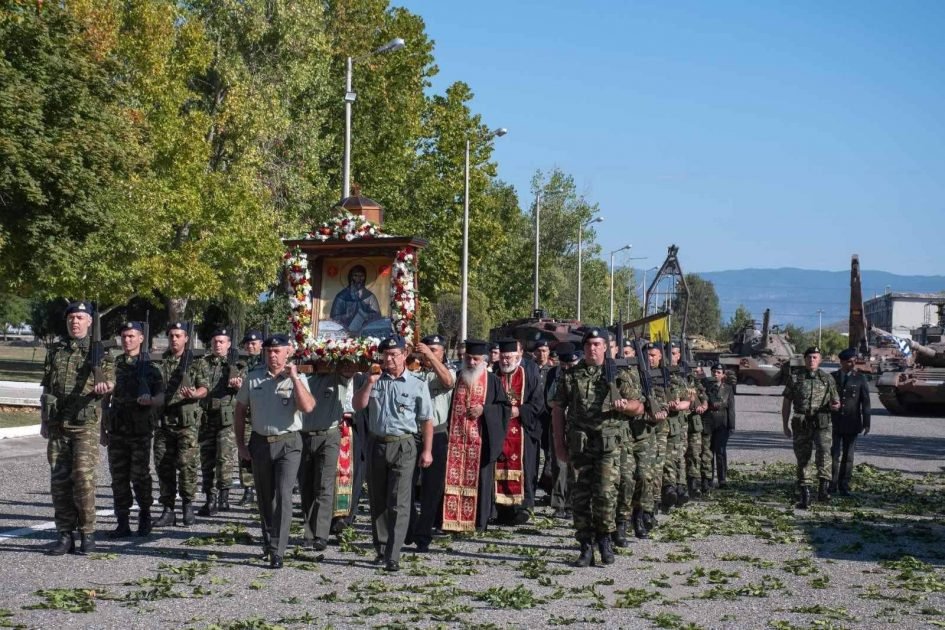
(751, 134)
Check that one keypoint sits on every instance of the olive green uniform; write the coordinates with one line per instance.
(810, 393)
(693, 456)
(669, 437)
(216, 437)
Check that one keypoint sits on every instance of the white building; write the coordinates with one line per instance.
(899, 313)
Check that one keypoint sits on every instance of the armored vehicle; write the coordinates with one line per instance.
(755, 357)
(540, 327)
(920, 388)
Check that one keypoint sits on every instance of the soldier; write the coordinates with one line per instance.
(721, 419)
(852, 419)
(668, 389)
(176, 456)
(440, 379)
(128, 427)
(278, 397)
(399, 406)
(599, 398)
(813, 395)
(676, 432)
(562, 475)
(252, 343)
(690, 462)
(216, 424)
(628, 352)
(70, 422)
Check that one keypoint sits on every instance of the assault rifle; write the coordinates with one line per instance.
(233, 354)
(97, 351)
(643, 369)
(188, 357)
(144, 359)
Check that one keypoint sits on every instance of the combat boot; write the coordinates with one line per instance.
(586, 559)
(167, 517)
(249, 495)
(144, 522)
(605, 547)
(639, 528)
(207, 509)
(822, 494)
(86, 543)
(223, 502)
(694, 490)
(706, 485)
(122, 530)
(649, 521)
(682, 495)
(65, 544)
(669, 499)
(804, 503)
(189, 517)
(620, 535)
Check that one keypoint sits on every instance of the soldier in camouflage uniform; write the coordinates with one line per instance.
(176, 456)
(706, 470)
(812, 394)
(252, 343)
(669, 451)
(690, 464)
(70, 422)
(216, 437)
(597, 409)
(127, 430)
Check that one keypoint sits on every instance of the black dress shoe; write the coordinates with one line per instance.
(275, 562)
(319, 544)
(379, 558)
(392, 566)
(423, 547)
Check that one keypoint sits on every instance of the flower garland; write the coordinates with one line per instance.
(403, 300)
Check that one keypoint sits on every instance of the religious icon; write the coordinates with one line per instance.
(355, 298)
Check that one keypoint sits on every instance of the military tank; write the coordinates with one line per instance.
(539, 326)
(755, 357)
(919, 389)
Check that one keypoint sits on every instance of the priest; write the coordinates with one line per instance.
(478, 419)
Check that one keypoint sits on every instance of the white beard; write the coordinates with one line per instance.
(471, 375)
(511, 368)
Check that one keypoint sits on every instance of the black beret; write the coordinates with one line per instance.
(812, 350)
(628, 343)
(653, 346)
(79, 307)
(508, 345)
(595, 333)
(493, 345)
(394, 341)
(718, 368)
(222, 332)
(252, 335)
(846, 355)
(541, 343)
(277, 341)
(476, 346)
(178, 326)
(672, 344)
(432, 340)
(133, 326)
(566, 352)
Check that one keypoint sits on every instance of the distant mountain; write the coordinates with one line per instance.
(795, 295)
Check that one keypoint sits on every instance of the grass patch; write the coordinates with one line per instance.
(518, 598)
(18, 417)
(228, 535)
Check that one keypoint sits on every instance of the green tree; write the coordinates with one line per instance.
(741, 318)
(14, 311)
(704, 313)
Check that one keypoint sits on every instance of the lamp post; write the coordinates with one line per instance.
(584, 226)
(630, 288)
(820, 326)
(645, 296)
(464, 292)
(395, 44)
(624, 248)
(537, 241)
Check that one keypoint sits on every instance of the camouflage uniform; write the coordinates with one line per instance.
(246, 469)
(810, 393)
(669, 437)
(129, 427)
(72, 420)
(176, 457)
(706, 470)
(595, 436)
(693, 456)
(216, 437)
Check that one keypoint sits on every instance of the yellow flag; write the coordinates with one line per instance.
(659, 329)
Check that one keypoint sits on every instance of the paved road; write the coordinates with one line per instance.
(17, 393)
(749, 560)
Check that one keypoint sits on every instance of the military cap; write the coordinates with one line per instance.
(392, 342)
(133, 326)
(672, 344)
(178, 326)
(812, 350)
(493, 345)
(277, 341)
(846, 355)
(595, 333)
(222, 332)
(566, 352)
(717, 367)
(628, 343)
(476, 346)
(508, 345)
(541, 343)
(251, 335)
(79, 307)
(652, 345)
(432, 340)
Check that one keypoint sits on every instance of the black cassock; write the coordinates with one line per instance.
(493, 424)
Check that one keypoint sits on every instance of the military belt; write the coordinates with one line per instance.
(275, 438)
(319, 431)
(390, 439)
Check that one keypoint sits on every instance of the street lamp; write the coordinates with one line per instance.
(395, 44)
(630, 288)
(645, 296)
(537, 239)
(580, 256)
(464, 293)
(624, 248)
(820, 326)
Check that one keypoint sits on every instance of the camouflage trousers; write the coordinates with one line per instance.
(129, 461)
(73, 455)
(706, 469)
(675, 446)
(595, 456)
(635, 488)
(217, 442)
(658, 459)
(176, 459)
(810, 438)
(694, 454)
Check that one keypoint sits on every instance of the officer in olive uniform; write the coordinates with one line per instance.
(852, 419)
(216, 424)
(721, 419)
(176, 456)
(399, 407)
(812, 394)
(562, 474)
(252, 344)
(127, 429)
(599, 399)
(75, 377)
